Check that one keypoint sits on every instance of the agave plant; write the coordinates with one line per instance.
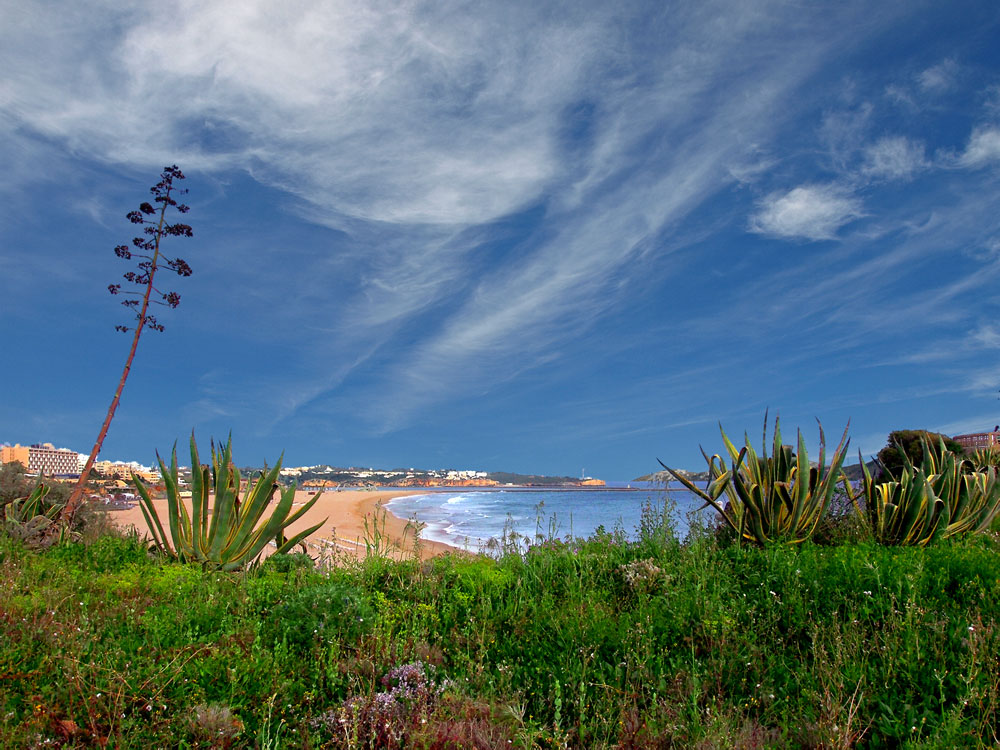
(776, 498)
(903, 511)
(983, 458)
(230, 532)
(26, 519)
(936, 500)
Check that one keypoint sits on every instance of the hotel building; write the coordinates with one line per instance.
(976, 440)
(42, 458)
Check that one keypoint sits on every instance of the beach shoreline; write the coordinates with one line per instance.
(342, 534)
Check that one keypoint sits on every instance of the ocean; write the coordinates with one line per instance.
(469, 518)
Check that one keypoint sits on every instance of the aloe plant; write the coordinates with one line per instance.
(776, 498)
(230, 532)
(937, 500)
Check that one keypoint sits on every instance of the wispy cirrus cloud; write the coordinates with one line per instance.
(384, 113)
(894, 158)
(983, 148)
(487, 185)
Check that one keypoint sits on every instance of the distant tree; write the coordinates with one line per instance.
(12, 482)
(150, 259)
(15, 483)
(910, 443)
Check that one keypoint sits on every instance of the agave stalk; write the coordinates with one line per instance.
(151, 259)
(937, 500)
(776, 498)
(231, 532)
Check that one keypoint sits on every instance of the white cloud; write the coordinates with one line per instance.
(812, 212)
(988, 251)
(991, 100)
(843, 132)
(381, 116)
(985, 337)
(939, 78)
(983, 148)
(751, 170)
(900, 96)
(894, 158)
(399, 113)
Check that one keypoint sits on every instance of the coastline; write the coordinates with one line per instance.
(342, 533)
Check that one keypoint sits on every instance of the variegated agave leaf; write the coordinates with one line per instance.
(927, 503)
(771, 498)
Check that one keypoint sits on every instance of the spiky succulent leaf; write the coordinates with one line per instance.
(230, 532)
(771, 498)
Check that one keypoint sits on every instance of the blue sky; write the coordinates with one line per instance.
(533, 237)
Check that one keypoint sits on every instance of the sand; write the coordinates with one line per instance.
(342, 534)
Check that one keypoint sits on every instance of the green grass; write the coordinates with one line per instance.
(597, 643)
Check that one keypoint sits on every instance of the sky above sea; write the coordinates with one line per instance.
(537, 237)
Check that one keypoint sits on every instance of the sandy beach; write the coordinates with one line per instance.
(343, 531)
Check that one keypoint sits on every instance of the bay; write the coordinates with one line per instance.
(468, 518)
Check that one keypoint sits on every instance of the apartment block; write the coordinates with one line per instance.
(14, 453)
(41, 458)
(976, 440)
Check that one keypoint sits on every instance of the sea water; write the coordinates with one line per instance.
(469, 518)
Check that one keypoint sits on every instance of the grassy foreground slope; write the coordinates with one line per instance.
(597, 643)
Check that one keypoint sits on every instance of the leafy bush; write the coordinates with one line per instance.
(322, 612)
(286, 562)
(908, 446)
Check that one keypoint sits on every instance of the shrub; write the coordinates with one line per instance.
(908, 446)
(318, 613)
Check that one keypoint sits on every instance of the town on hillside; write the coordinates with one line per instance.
(112, 480)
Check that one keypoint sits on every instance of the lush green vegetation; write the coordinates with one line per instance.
(596, 643)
